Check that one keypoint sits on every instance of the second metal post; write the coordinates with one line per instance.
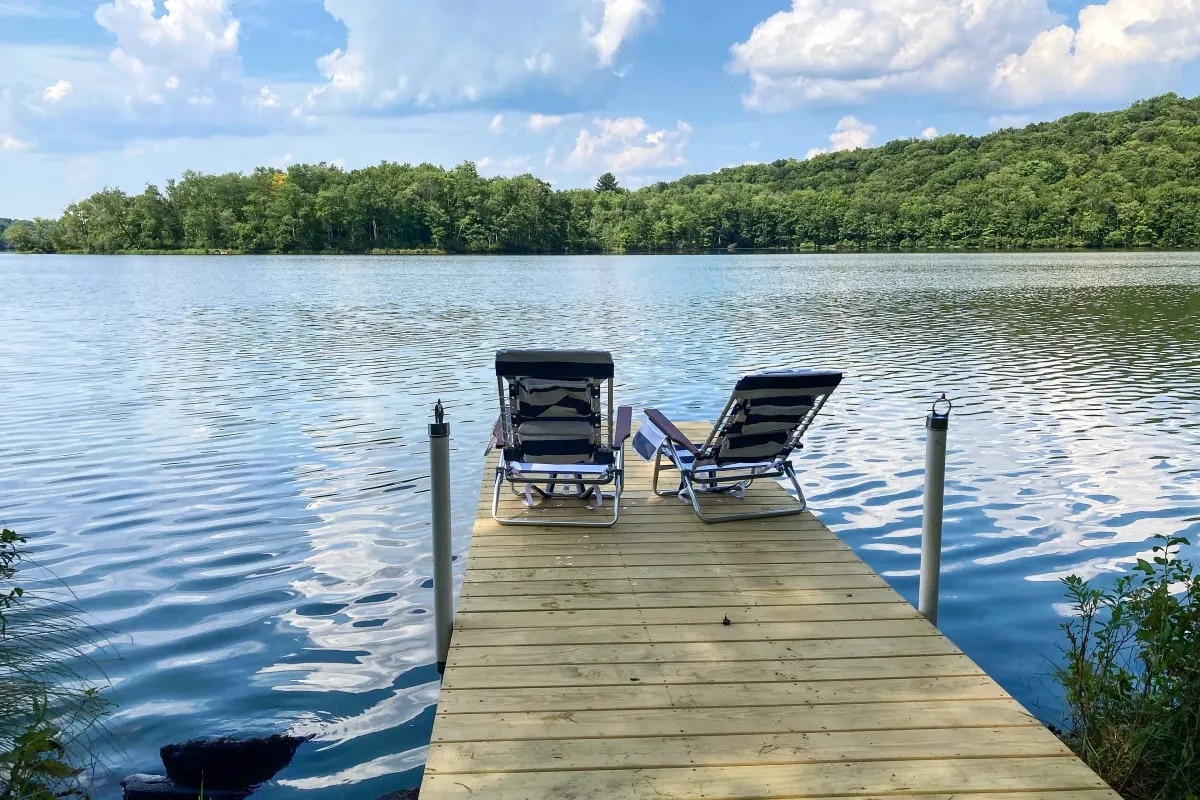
(936, 426)
(443, 576)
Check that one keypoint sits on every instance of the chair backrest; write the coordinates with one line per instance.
(551, 406)
(766, 416)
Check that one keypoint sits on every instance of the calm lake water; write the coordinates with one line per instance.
(225, 458)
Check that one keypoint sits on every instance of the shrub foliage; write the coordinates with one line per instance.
(1131, 677)
(48, 716)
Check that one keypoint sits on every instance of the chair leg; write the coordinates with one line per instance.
(618, 486)
(496, 495)
(790, 471)
(693, 495)
(782, 512)
(658, 467)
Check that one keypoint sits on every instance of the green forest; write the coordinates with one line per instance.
(1120, 179)
(5, 223)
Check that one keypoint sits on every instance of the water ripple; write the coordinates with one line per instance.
(225, 458)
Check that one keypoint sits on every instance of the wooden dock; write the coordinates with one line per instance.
(595, 663)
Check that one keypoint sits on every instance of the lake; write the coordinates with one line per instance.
(225, 458)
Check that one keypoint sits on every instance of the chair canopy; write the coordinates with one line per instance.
(554, 364)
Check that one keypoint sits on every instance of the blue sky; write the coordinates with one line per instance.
(128, 92)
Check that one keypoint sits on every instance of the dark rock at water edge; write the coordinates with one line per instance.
(227, 763)
(403, 794)
(160, 787)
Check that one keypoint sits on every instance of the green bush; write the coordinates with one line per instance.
(49, 717)
(1131, 677)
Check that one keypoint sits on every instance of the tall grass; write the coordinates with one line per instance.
(1131, 677)
(50, 718)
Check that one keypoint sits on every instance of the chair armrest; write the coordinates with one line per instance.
(498, 432)
(624, 424)
(674, 434)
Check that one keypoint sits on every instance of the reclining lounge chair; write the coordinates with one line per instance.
(754, 437)
(556, 434)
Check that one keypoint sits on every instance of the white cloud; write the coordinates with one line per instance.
(10, 143)
(1121, 47)
(930, 133)
(851, 133)
(540, 62)
(35, 9)
(625, 144)
(497, 124)
(266, 99)
(1008, 121)
(57, 92)
(167, 67)
(32, 75)
(42, 182)
(544, 122)
(621, 20)
(852, 49)
(190, 39)
(508, 165)
(500, 47)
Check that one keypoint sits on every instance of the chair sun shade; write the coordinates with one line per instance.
(556, 432)
(754, 438)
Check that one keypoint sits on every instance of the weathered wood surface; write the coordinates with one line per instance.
(594, 663)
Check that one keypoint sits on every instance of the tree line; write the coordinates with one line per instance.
(1119, 179)
(5, 224)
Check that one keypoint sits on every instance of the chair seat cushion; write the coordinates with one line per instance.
(523, 467)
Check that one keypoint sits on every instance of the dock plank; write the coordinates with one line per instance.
(739, 749)
(625, 586)
(744, 632)
(597, 663)
(759, 720)
(717, 695)
(896, 609)
(769, 670)
(527, 573)
(779, 781)
(679, 599)
(802, 651)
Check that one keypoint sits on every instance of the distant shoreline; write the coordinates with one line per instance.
(828, 250)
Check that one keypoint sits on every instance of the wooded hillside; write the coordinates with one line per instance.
(5, 223)
(1128, 178)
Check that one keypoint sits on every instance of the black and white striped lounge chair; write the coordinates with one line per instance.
(557, 435)
(754, 437)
